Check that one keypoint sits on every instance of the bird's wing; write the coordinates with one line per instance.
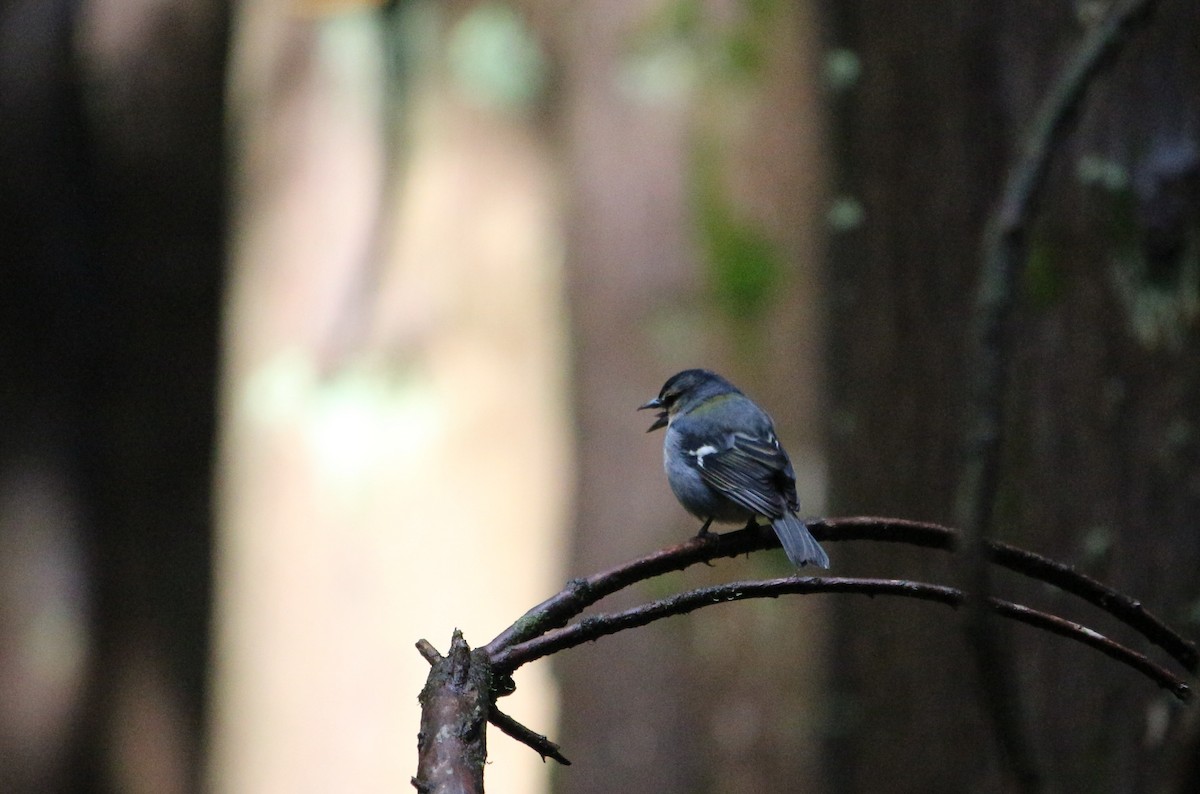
(752, 471)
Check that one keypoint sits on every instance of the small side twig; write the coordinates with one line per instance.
(428, 652)
(539, 743)
(593, 627)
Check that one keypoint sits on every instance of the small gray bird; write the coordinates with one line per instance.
(724, 462)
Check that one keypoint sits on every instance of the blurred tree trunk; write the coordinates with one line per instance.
(684, 186)
(155, 80)
(1102, 454)
(393, 410)
(627, 718)
(113, 225)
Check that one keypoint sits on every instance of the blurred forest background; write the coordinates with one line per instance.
(323, 322)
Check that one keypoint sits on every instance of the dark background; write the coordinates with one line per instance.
(805, 215)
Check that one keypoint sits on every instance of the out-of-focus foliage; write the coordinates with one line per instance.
(1155, 244)
(495, 58)
(843, 67)
(743, 264)
(1044, 279)
(724, 58)
(733, 47)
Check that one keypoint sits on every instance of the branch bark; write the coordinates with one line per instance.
(452, 744)
(459, 695)
(579, 594)
(594, 627)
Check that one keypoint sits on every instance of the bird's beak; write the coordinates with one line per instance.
(660, 420)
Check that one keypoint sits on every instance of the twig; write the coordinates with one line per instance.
(594, 627)
(579, 594)
(543, 629)
(1006, 249)
(582, 593)
(540, 744)
(1129, 611)
(428, 652)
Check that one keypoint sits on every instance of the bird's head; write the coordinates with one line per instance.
(683, 391)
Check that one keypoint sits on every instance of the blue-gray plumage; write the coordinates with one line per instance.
(724, 462)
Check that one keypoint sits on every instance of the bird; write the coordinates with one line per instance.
(724, 461)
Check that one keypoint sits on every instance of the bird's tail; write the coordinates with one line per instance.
(801, 547)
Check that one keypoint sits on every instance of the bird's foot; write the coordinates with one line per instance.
(704, 534)
(752, 524)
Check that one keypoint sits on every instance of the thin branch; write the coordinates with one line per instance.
(543, 629)
(1006, 251)
(580, 594)
(592, 628)
(428, 652)
(540, 744)
(1129, 611)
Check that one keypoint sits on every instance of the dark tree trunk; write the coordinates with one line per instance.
(1101, 454)
(112, 215)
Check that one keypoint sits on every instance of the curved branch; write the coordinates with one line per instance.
(580, 594)
(1006, 249)
(1129, 611)
(589, 629)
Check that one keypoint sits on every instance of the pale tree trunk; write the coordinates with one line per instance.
(394, 446)
(726, 701)
(627, 715)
